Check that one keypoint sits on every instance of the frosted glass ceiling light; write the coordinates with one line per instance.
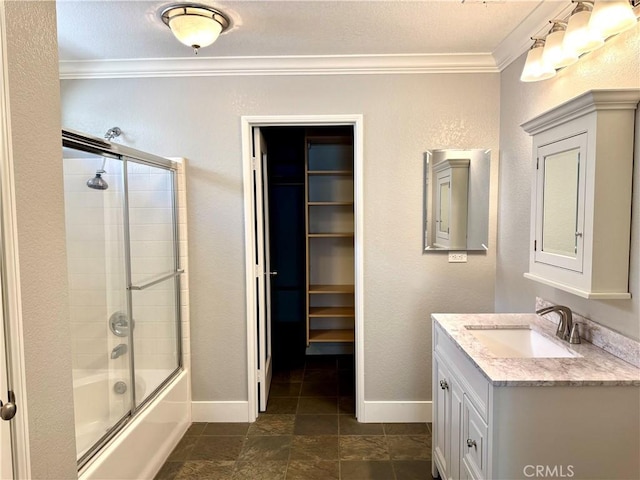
(535, 68)
(579, 38)
(195, 25)
(554, 53)
(611, 17)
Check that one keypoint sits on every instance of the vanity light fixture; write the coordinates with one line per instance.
(195, 25)
(611, 17)
(535, 67)
(579, 38)
(587, 28)
(555, 54)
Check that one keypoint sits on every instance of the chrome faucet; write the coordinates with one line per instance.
(119, 350)
(567, 330)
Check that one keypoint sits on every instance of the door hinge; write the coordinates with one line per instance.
(260, 376)
(537, 163)
(257, 271)
(535, 245)
(253, 163)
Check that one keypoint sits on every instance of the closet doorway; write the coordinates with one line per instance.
(303, 218)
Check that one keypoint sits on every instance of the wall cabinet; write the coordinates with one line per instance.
(483, 431)
(330, 237)
(581, 194)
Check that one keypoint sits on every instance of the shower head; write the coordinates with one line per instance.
(97, 182)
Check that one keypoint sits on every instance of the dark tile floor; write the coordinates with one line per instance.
(309, 432)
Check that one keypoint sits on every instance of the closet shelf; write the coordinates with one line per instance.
(331, 335)
(320, 289)
(330, 204)
(332, 312)
(331, 235)
(330, 172)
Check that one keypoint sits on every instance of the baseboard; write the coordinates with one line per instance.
(220, 411)
(397, 412)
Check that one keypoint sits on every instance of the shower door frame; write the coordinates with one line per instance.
(98, 146)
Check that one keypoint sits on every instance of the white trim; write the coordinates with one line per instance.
(279, 65)
(535, 24)
(11, 273)
(247, 123)
(220, 412)
(398, 412)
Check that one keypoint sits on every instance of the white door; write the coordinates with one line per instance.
(6, 465)
(263, 267)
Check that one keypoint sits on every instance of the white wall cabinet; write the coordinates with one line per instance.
(581, 194)
(482, 431)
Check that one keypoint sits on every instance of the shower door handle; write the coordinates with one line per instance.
(8, 410)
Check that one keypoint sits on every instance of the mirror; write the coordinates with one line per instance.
(456, 199)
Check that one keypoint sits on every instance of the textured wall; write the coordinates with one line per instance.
(37, 157)
(616, 65)
(199, 118)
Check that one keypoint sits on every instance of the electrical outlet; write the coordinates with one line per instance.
(457, 257)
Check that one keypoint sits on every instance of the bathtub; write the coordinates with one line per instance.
(142, 446)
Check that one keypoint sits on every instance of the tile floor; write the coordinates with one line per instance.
(308, 432)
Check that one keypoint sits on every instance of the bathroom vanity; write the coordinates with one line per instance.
(512, 401)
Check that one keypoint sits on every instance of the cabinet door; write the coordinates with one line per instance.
(474, 441)
(442, 417)
(560, 194)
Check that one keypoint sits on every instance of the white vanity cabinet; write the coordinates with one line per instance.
(511, 429)
(581, 194)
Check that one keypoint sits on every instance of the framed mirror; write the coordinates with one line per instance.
(456, 199)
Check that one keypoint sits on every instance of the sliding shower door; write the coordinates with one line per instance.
(124, 285)
(154, 279)
(95, 229)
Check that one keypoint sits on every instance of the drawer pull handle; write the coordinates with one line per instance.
(444, 385)
(471, 443)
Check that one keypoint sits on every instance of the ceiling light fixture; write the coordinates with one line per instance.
(535, 67)
(587, 28)
(195, 25)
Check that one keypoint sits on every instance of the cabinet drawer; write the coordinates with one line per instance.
(475, 435)
(473, 382)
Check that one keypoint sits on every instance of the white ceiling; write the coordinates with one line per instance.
(98, 30)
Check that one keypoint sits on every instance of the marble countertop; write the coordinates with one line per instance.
(594, 366)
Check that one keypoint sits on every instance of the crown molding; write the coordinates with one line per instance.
(279, 65)
(536, 23)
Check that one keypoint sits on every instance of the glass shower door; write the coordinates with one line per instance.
(95, 230)
(154, 275)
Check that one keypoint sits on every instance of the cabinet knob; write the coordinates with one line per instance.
(471, 443)
(444, 385)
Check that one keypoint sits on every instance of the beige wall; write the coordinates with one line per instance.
(616, 65)
(199, 118)
(37, 161)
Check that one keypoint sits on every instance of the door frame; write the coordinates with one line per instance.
(247, 125)
(10, 271)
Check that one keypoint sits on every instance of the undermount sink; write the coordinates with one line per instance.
(518, 342)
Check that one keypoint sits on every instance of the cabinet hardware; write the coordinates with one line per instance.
(444, 385)
(471, 443)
